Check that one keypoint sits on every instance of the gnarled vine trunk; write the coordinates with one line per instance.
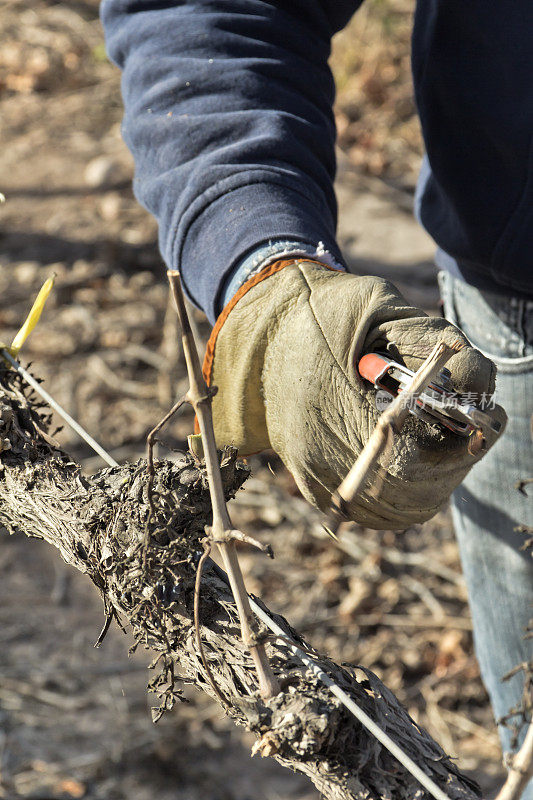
(98, 524)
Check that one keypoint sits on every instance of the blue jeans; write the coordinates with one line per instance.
(487, 507)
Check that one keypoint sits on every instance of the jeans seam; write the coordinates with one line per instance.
(522, 325)
(513, 317)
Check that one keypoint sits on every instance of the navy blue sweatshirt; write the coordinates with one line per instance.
(228, 114)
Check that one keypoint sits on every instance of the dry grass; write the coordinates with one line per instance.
(376, 117)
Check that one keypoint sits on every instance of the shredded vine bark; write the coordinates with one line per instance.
(98, 525)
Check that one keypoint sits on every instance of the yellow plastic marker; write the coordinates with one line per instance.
(33, 317)
(10, 354)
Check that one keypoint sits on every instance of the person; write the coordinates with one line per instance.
(228, 114)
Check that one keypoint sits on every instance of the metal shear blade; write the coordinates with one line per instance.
(438, 403)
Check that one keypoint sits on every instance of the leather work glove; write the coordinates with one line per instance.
(283, 354)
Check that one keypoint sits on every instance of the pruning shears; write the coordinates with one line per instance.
(439, 403)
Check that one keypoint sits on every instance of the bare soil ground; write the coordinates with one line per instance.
(75, 721)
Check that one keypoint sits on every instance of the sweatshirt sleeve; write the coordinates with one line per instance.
(228, 114)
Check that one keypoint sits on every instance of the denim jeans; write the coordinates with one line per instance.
(487, 508)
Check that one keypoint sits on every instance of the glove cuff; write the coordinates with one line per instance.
(266, 272)
(209, 359)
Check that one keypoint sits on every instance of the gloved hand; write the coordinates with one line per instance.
(283, 356)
